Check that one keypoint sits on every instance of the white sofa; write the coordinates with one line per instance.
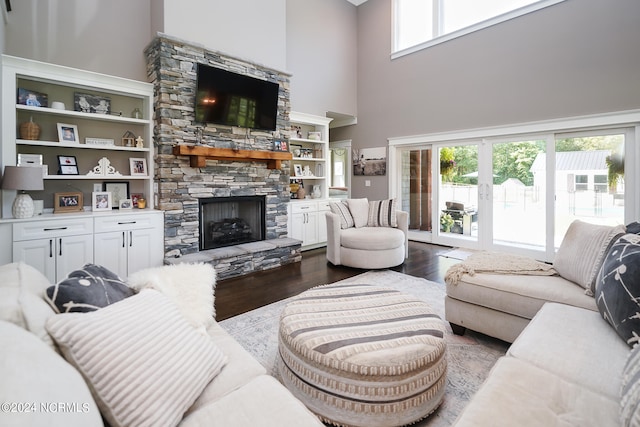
(565, 369)
(41, 388)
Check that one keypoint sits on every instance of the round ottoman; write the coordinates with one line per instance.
(363, 355)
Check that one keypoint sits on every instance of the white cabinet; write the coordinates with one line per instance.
(309, 145)
(128, 243)
(307, 222)
(93, 130)
(54, 247)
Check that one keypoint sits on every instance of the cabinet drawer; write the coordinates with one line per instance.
(300, 207)
(125, 222)
(52, 228)
(323, 205)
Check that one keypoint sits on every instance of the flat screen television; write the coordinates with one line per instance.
(232, 99)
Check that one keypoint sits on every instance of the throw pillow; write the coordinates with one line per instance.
(340, 209)
(630, 391)
(582, 252)
(144, 363)
(382, 213)
(190, 286)
(618, 288)
(633, 228)
(87, 289)
(359, 209)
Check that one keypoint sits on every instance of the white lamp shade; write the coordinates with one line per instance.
(26, 178)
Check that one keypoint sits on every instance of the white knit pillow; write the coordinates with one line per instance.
(144, 363)
(359, 209)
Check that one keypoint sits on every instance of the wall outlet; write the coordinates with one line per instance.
(367, 183)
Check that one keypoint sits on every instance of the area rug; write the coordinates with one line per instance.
(470, 357)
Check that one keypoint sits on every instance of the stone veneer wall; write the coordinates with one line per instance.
(171, 67)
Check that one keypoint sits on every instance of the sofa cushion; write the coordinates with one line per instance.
(38, 378)
(359, 209)
(144, 363)
(582, 252)
(22, 289)
(517, 393)
(618, 288)
(342, 210)
(190, 286)
(630, 391)
(572, 343)
(382, 213)
(87, 289)
(372, 238)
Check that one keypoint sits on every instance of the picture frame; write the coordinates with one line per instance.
(279, 145)
(32, 98)
(68, 133)
(67, 165)
(119, 191)
(125, 204)
(138, 166)
(88, 103)
(101, 201)
(135, 197)
(297, 169)
(68, 202)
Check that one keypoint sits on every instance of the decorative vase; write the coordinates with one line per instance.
(316, 193)
(29, 130)
(301, 193)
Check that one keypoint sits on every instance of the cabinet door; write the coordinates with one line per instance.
(296, 231)
(145, 249)
(39, 254)
(311, 229)
(72, 252)
(111, 251)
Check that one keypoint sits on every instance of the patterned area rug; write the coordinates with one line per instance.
(469, 357)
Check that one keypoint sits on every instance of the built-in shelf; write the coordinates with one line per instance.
(76, 146)
(199, 154)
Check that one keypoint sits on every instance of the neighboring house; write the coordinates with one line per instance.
(575, 171)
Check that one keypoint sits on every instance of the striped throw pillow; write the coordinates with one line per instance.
(144, 363)
(382, 213)
(340, 209)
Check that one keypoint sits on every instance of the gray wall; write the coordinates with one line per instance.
(313, 39)
(574, 58)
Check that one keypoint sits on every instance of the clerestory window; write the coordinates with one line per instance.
(419, 24)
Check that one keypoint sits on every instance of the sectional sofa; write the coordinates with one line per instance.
(137, 361)
(574, 359)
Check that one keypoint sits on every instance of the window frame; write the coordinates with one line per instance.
(458, 33)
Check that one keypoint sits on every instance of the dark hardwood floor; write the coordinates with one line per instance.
(242, 294)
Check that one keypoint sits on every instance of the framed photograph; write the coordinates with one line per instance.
(118, 190)
(67, 202)
(101, 201)
(297, 169)
(279, 145)
(135, 197)
(67, 165)
(32, 98)
(87, 103)
(125, 204)
(138, 167)
(68, 133)
(370, 161)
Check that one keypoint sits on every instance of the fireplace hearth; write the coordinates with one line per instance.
(227, 221)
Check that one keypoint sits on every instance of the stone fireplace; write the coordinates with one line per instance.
(184, 184)
(228, 221)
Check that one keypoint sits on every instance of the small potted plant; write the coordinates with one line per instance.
(446, 222)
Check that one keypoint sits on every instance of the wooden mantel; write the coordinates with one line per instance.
(200, 153)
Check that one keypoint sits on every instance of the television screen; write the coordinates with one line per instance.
(232, 99)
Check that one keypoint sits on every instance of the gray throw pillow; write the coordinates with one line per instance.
(618, 288)
(87, 289)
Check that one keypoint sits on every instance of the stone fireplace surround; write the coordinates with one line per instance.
(171, 67)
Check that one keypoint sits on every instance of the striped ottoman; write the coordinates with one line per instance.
(363, 355)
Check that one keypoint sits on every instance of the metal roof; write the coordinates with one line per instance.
(574, 161)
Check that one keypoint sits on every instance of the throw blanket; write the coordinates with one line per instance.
(497, 263)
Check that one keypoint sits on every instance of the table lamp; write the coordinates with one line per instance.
(25, 178)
